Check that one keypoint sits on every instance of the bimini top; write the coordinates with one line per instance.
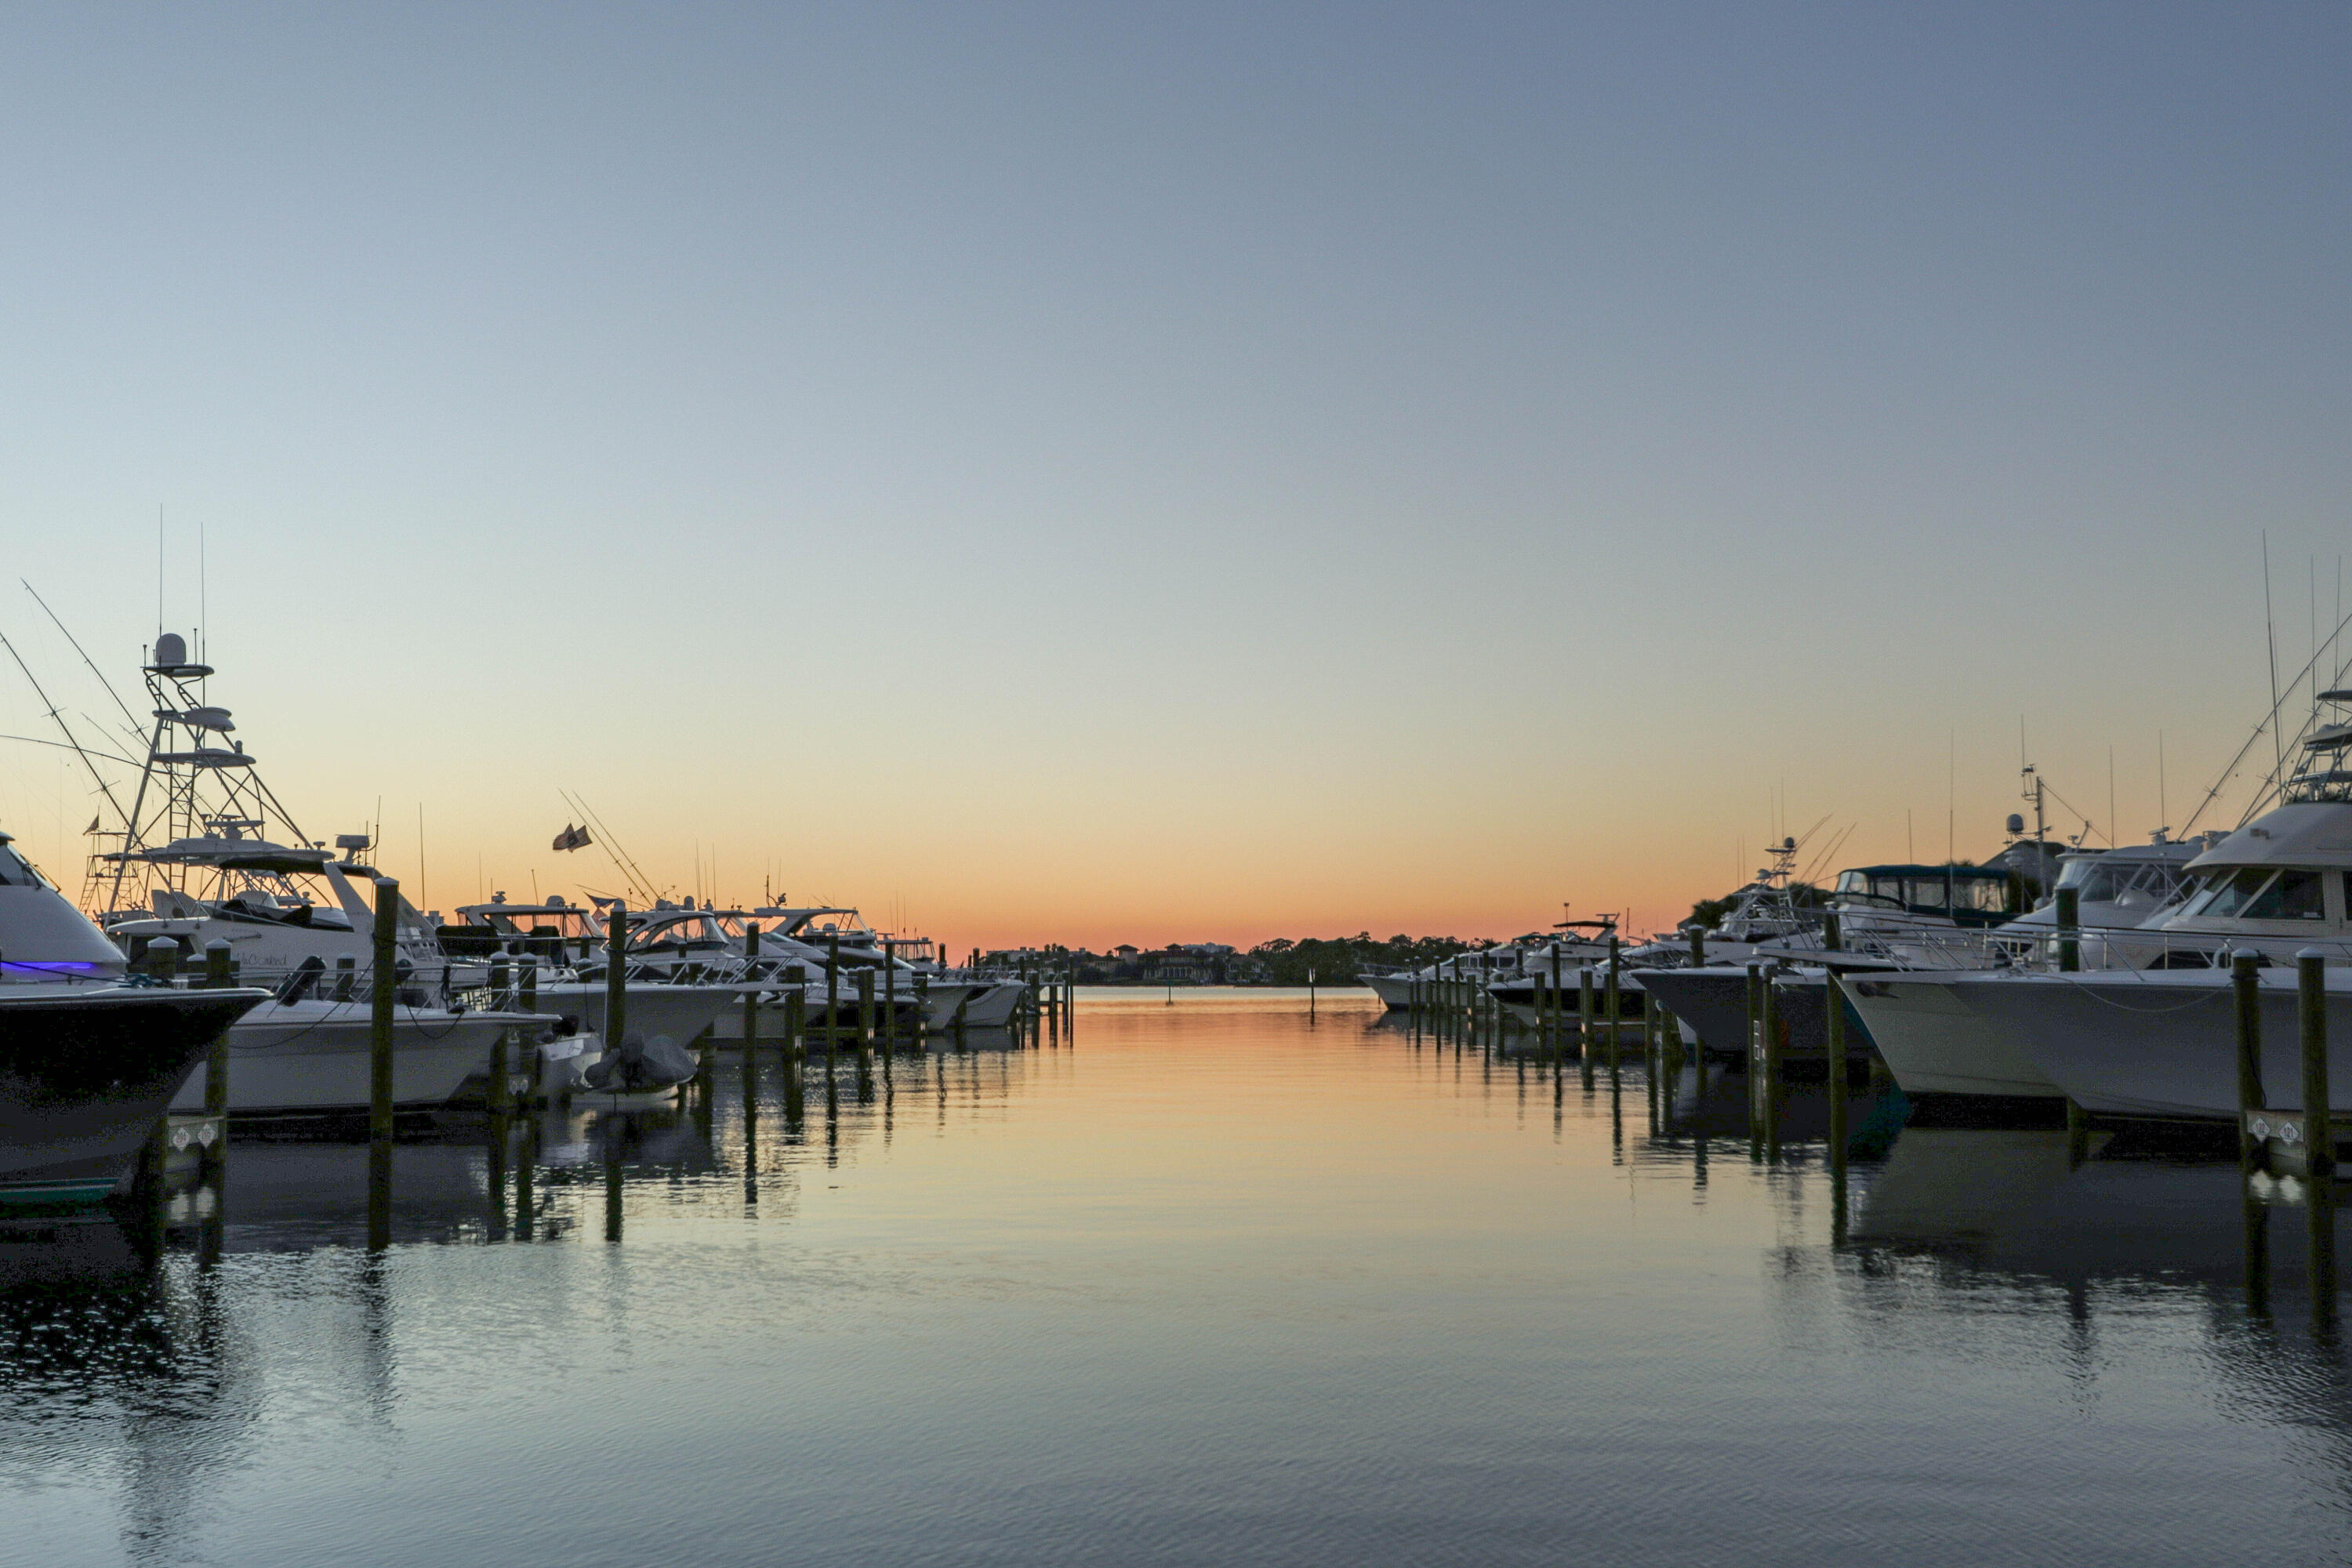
(228, 853)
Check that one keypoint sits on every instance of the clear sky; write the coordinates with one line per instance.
(1117, 473)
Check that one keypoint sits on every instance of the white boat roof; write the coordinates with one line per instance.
(2310, 833)
(229, 854)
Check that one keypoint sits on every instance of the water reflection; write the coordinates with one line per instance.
(1226, 1284)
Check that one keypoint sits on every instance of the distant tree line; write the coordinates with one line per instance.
(1335, 961)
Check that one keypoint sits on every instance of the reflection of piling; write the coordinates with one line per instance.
(1584, 1041)
(611, 1134)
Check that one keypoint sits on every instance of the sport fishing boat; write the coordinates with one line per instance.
(209, 853)
(1935, 1044)
(2156, 1041)
(89, 1061)
(1883, 910)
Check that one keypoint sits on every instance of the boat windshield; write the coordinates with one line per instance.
(2260, 893)
(16, 871)
(2133, 884)
(2227, 894)
(690, 933)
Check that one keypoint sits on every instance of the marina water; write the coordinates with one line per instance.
(1215, 1283)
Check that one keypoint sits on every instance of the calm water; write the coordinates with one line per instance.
(1211, 1286)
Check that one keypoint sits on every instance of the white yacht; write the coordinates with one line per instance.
(1935, 1044)
(89, 1060)
(2151, 1040)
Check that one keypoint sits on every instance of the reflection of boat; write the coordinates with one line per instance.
(289, 1194)
(88, 1063)
(2012, 1202)
(589, 1136)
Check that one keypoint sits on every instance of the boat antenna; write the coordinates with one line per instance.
(639, 883)
(72, 740)
(2271, 783)
(86, 659)
(2270, 645)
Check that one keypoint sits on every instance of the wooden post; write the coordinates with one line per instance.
(1310, 993)
(890, 995)
(617, 977)
(1615, 1006)
(346, 978)
(864, 1022)
(1698, 948)
(1553, 1020)
(2318, 1135)
(2070, 930)
(163, 960)
(832, 1001)
(1768, 1065)
(385, 935)
(216, 978)
(795, 1007)
(752, 998)
(528, 1002)
(1834, 998)
(2311, 1021)
(2245, 991)
(1584, 1021)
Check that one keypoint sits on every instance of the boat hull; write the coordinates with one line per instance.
(85, 1079)
(1395, 991)
(314, 1058)
(2164, 1044)
(678, 1012)
(1935, 1042)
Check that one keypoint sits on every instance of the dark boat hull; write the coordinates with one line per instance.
(84, 1078)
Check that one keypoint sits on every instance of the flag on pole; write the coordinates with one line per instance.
(572, 838)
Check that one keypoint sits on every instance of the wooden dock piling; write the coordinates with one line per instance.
(752, 998)
(385, 943)
(2246, 998)
(2311, 1029)
(1584, 1041)
(617, 977)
